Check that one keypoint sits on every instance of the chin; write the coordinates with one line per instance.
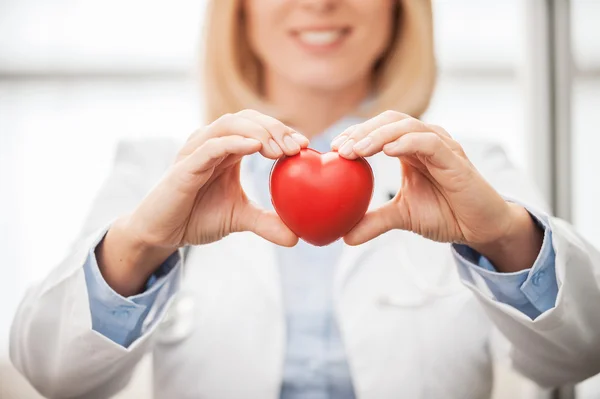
(333, 80)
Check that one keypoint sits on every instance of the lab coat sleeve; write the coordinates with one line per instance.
(123, 320)
(52, 341)
(532, 291)
(562, 344)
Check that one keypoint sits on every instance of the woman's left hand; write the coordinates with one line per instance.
(443, 197)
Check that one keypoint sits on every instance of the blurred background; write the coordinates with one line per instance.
(77, 76)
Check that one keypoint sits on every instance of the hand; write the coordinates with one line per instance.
(199, 200)
(443, 197)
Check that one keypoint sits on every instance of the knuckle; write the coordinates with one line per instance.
(387, 133)
(409, 140)
(357, 135)
(218, 143)
(276, 129)
(193, 141)
(432, 138)
(434, 141)
(358, 132)
(459, 148)
(390, 114)
(209, 146)
(413, 124)
(376, 134)
(196, 133)
(260, 133)
(226, 117)
(439, 129)
(248, 113)
(223, 120)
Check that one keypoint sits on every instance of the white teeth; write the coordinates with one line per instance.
(320, 38)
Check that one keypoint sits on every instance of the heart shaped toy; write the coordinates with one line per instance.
(321, 197)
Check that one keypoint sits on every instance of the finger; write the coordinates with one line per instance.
(212, 152)
(342, 137)
(265, 224)
(373, 224)
(288, 140)
(373, 142)
(230, 124)
(403, 122)
(439, 130)
(429, 145)
(193, 141)
(353, 134)
(453, 144)
(382, 119)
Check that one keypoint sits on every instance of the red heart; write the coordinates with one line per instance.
(321, 197)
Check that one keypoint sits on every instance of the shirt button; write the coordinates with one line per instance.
(537, 277)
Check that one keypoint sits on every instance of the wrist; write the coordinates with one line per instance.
(126, 261)
(518, 247)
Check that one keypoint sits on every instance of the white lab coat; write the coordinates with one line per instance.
(410, 328)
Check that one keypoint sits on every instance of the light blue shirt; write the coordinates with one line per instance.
(315, 364)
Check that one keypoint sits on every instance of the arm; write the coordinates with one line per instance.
(559, 342)
(444, 197)
(562, 344)
(52, 340)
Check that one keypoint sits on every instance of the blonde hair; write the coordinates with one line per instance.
(404, 78)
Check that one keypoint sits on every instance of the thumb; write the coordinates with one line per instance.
(266, 224)
(373, 224)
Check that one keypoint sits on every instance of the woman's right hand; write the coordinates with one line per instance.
(199, 200)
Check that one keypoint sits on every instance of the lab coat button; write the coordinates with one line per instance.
(537, 277)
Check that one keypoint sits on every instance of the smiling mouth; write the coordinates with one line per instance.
(321, 37)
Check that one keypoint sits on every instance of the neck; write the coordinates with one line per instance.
(311, 110)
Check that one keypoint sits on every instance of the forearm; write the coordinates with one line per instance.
(126, 262)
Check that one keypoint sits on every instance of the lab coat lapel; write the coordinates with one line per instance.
(259, 254)
(387, 175)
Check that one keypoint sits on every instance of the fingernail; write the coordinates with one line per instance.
(347, 148)
(290, 143)
(300, 139)
(275, 147)
(338, 141)
(363, 144)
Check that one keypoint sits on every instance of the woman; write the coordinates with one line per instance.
(261, 315)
